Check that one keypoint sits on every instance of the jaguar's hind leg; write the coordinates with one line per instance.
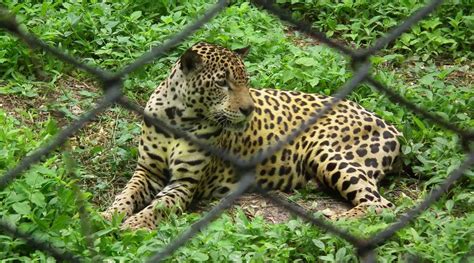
(356, 185)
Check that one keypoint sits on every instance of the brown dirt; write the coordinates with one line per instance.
(16, 105)
(254, 205)
(463, 74)
(303, 40)
(300, 41)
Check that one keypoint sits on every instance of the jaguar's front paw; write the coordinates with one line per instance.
(107, 215)
(124, 212)
(145, 219)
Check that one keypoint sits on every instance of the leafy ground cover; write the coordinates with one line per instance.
(431, 66)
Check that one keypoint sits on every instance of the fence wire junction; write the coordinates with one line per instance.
(112, 83)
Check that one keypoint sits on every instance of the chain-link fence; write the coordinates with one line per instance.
(112, 86)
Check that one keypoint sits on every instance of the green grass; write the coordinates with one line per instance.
(38, 99)
(446, 33)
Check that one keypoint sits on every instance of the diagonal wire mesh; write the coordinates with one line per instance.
(112, 86)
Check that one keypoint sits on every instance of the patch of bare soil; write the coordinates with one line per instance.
(255, 205)
(18, 106)
(316, 199)
(300, 41)
(465, 73)
(11, 104)
(42, 104)
(461, 74)
(405, 187)
(303, 40)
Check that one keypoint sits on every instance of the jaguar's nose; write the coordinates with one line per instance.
(246, 110)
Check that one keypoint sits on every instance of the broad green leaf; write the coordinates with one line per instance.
(319, 244)
(135, 15)
(340, 254)
(306, 61)
(22, 208)
(34, 179)
(449, 205)
(199, 256)
(329, 258)
(427, 79)
(313, 81)
(38, 199)
(419, 123)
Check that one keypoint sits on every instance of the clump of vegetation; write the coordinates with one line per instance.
(39, 95)
(447, 33)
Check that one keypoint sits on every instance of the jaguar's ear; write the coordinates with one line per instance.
(190, 61)
(243, 52)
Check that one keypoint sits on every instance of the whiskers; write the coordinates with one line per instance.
(222, 120)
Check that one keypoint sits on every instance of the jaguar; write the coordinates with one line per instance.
(207, 94)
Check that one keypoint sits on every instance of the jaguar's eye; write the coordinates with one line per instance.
(222, 82)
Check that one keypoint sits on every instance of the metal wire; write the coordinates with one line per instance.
(112, 85)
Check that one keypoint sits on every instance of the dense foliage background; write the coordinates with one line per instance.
(431, 66)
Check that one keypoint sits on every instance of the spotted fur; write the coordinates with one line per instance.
(207, 94)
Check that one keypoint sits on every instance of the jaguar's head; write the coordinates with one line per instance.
(216, 82)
